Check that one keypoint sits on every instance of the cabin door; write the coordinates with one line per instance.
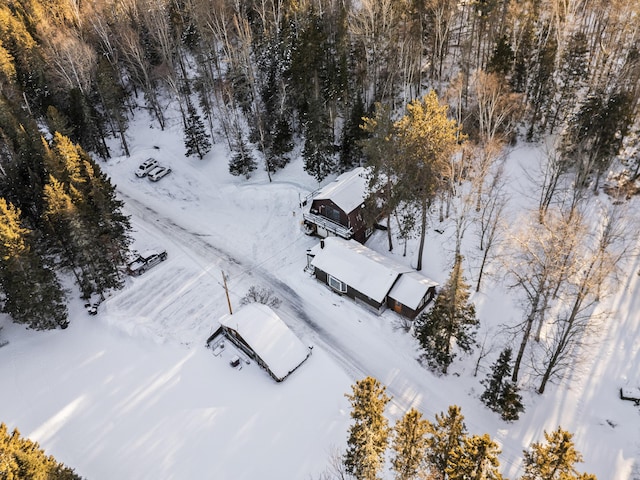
(397, 306)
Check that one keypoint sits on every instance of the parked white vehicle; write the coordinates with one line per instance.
(158, 172)
(144, 261)
(146, 166)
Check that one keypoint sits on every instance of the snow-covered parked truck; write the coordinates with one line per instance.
(145, 260)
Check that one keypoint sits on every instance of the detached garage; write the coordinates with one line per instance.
(260, 333)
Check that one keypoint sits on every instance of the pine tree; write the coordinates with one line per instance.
(445, 441)
(451, 319)
(84, 217)
(32, 293)
(196, 140)
(24, 459)
(369, 434)
(410, 446)
(502, 59)
(554, 459)
(477, 459)
(510, 402)
(501, 394)
(426, 141)
(318, 145)
(352, 135)
(242, 161)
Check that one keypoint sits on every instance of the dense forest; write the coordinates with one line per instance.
(429, 93)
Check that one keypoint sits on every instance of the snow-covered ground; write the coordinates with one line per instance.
(134, 393)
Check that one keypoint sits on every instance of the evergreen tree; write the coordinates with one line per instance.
(196, 140)
(554, 459)
(510, 402)
(409, 446)
(501, 61)
(281, 143)
(32, 293)
(84, 217)
(242, 161)
(369, 433)
(351, 153)
(501, 394)
(477, 459)
(451, 319)
(25, 460)
(445, 441)
(426, 140)
(318, 145)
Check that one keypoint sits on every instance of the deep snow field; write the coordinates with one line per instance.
(133, 393)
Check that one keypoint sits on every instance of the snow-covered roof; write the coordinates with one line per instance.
(410, 288)
(359, 267)
(269, 337)
(370, 272)
(347, 191)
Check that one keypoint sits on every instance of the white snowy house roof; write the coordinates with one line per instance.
(347, 191)
(269, 337)
(363, 269)
(411, 288)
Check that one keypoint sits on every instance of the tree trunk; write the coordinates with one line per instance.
(423, 230)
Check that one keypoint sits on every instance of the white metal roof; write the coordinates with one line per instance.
(269, 337)
(411, 288)
(370, 272)
(347, 191)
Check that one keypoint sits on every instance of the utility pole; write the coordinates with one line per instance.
(226, 291)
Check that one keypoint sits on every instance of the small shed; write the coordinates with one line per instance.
(260, 333)
(351, 269)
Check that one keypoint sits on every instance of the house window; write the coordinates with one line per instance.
(336, 284)
(332, 213)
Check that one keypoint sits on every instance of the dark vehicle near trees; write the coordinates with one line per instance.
(144, 261)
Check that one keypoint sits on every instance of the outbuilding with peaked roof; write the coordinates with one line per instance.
(260, 333)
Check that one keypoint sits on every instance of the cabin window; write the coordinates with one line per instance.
(332, 213)
(336, 284)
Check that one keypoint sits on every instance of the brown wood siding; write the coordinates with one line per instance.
(408, 312)
(347, 219)
(351, 292)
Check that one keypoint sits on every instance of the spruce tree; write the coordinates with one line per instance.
(451, 319)
(369, 433)
(242, 161)
(553, 460)
(511, 405)
(445, 441)
(351, 153)
(318, 142)
(196, 140)
(501, 394)
(477, 459)
(409, 446)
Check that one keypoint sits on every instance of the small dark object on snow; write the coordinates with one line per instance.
(92, 308)
(631, 393)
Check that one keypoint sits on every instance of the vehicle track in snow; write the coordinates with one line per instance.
(194, 243)
(407, 388)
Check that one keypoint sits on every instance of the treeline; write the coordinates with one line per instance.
(266, 71)
(262, 75)
(416, 448)
(24, 460)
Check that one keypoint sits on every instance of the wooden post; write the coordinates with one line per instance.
(226, 291)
